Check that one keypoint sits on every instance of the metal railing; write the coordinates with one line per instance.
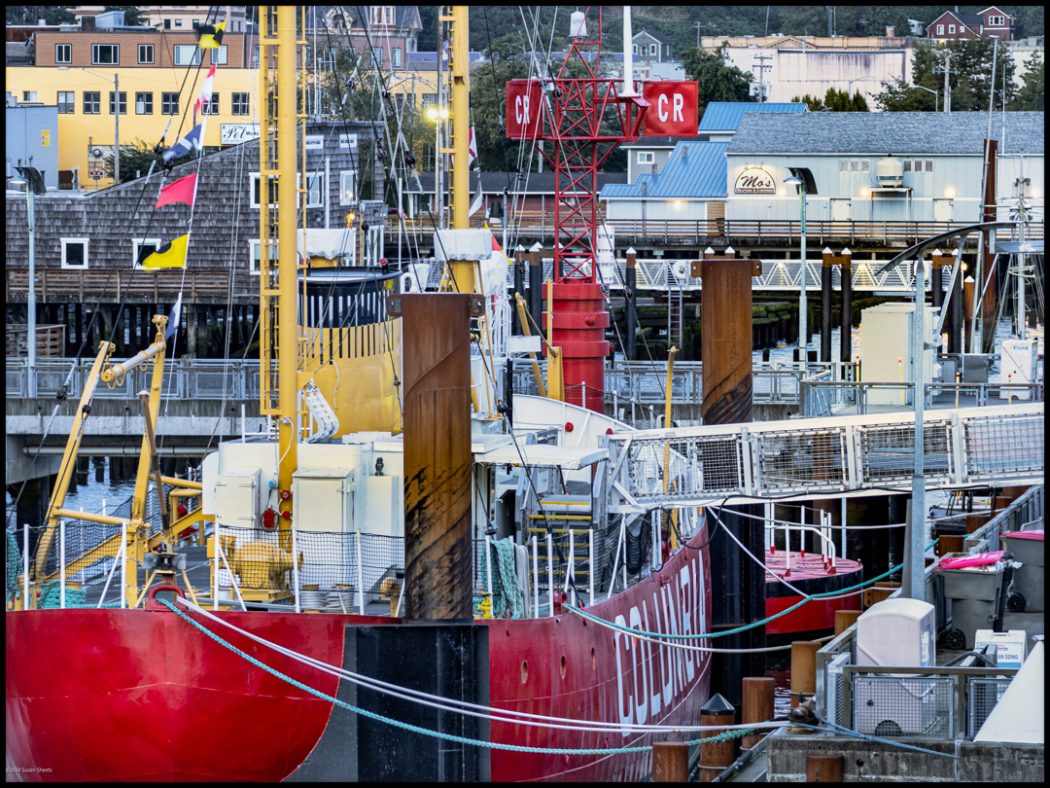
(841, 397)
(1029, 507)
(843, 455)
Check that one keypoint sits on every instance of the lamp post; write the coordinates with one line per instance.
(116, 117)
(803, 334)
(914, 563)
(34, 183)
(936, 95)
(438, 115)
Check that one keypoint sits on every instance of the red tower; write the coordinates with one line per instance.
(583, 118)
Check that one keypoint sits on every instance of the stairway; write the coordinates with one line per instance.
(571, 522)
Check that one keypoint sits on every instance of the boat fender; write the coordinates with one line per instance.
(269, 519)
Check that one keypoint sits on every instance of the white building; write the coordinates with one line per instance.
(1022, 50)
(789, 67)
(939, 163)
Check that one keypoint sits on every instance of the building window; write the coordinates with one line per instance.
(123, 103)
(634, 48)
(63, 53)
(146, 55)
(377, 53)
(74, 252)
(105, 54)
(346, 187)
(66, 102)
(178, 23)
(144, 103)
(951, 29)
(940, 30)
(255, 191)
(255, 252)
(315, 183)
(169, 103)
(188, 55)
(28, 95)
(929, 165)
(646, 157)
(907, 165)
(865, 166)
(240, 104)
(652, 49)
(996, 21)
(211, 106)
(92, 102)
(395, 57)
(854, 165)
(143, 246)
(219, 56)
(167, 24)
(843, 165)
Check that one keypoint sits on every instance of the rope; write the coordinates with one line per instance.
(51, 597)
(726, 736)
(508, 599)
(745, 627)
(14, 563)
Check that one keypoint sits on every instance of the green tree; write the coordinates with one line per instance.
(835, 101)
(31, 14)
(1031, 96)
(969, 75)
(136, 158)
(718, 80)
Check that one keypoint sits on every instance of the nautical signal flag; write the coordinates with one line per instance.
(182, 190)
(210, 36)
(472, 148)
(205, 95)
(173, 318)
(169, 255)
(189, 143)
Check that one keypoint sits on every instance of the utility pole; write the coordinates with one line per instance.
(697, 26)
(947, 87)
(762, 67)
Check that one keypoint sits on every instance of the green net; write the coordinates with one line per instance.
(51, 596)
(14, 563)
(508, 600)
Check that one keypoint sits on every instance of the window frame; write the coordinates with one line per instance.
(215, 55)
(343, 199)
(72, 104)
(940, 30)
(195, 56)
(255, 255)
(309, 180)
(152, 54)
(97, 48)
(69, 49)
(121, 102)
(211, 106)
(648, 153)
(97, 102)
(139, 93)
(246, 104)
(163, 99)
(64, 241)
(255, 190)
(996, 21)
(136, 245)
(951, 30)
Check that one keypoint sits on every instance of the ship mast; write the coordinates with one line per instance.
(277, 286)
(456, 19)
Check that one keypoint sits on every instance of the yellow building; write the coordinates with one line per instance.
(151, 106)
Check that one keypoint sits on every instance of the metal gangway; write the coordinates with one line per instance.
(821, 458)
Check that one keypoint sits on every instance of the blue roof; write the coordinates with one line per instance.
(695, 170)
(726, 115)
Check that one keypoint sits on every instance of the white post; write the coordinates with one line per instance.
(104, 507)
(25, 566)
(31, 298)
(242, 423)
(123, 564)
(360, 576)
(570, 569)
(215, 569)
(616, 559)
(488, 567)
(628, 54)
(550, 576)
(295, 568)
(535, 576)
(109, 578)
(842, 551)
(62, 563)
(787, 547)
(770, 535)
(590, 566)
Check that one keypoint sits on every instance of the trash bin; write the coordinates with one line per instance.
(1027, 592)
(974, 588)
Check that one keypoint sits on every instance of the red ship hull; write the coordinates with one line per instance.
(141, 695)
(808, 574)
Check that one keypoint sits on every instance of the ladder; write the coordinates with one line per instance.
(571, 522)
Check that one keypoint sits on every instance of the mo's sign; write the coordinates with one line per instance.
(673, 109)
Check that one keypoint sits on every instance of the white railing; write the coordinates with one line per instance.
(815, 458)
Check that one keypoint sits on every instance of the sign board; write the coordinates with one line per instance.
(1009, 646)
(347, 140)
(673, 109)
(315, 141)
(45, 138)
(524, 109)
(234, 133)
(754, 180)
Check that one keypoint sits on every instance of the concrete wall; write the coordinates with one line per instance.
(872, 762)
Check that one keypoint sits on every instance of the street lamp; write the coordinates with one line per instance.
(34, 183)
(798, 179)
(936, 95)
(438, 114)
(116, 117)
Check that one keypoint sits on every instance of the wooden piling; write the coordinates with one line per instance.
(670, 762)
(758, 694)
(844, 619)
(716, 756)
(824, 768)
(803, 669)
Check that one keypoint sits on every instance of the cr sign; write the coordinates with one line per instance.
(673, 109)
(524, 110)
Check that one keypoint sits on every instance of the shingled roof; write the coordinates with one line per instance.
(887, 132)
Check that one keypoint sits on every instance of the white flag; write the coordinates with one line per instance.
(478, 201)
(174, 317)
(472, 149)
